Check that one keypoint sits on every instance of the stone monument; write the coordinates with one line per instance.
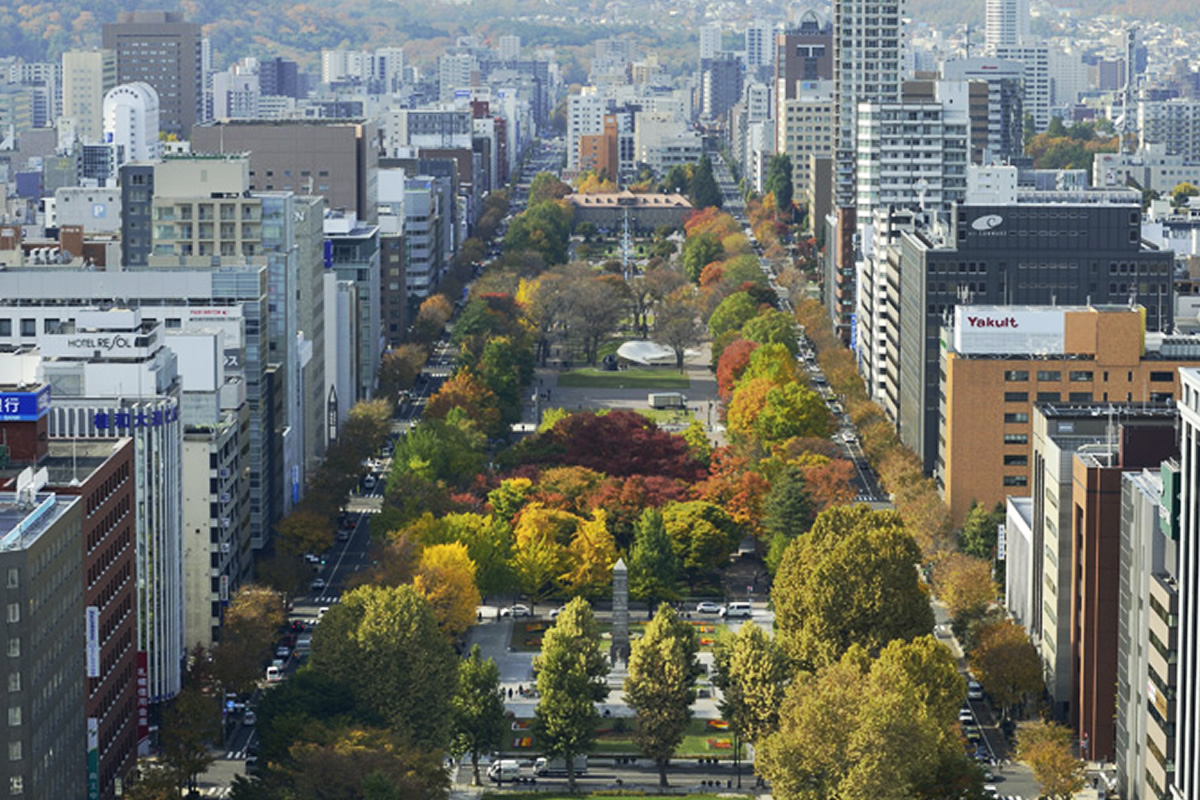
(620, 617)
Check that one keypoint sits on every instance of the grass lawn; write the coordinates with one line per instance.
(667, 378)
(667, 416)
(615, 737)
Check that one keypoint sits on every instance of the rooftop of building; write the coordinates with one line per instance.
(312, 122)
(630, 199)
(26, 515)
(1060, 411)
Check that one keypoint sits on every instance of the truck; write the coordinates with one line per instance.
(508, 769)
(557, 767)
(667, 400)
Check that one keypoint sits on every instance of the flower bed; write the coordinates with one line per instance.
(522, 742)
(720, 744)
(718, 725)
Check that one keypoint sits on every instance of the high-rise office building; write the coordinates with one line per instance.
(759, 45)
(802, 55)
(1007, 23)
(159, 48)
(867, 58)
(710, 41)
(87, 77)
(1187, 697)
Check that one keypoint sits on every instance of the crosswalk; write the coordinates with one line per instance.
(215, 791)
(236, 755)
(326, 600)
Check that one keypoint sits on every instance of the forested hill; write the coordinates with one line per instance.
(40, 29)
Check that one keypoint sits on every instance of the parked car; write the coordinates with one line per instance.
(516, 611)
(708, 608)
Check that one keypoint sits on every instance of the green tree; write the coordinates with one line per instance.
(698, 442)
(752, 673)
(571, 680)
(859, 729)
(787, 512)
(544, 228)
(478, 709)
(546, 186)
(978, 537)
(698, 252)
(677, 181)
(734, 311)
(661, 686)
(772, 327)
(885, 601)
(384, 643)
(191, 726)
(654, 568)
(703, 534)
(705, 192)
(779, 181)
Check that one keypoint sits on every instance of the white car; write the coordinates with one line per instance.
(554, 614)
(708, 608)
(248, 718)
(516, 611)
(318, 584)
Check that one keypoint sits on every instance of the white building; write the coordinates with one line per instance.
(131, 123)
(1173, 124)
(710, 41)
(1007, 23)
(455, 72)
(1039, 90)
(509, 47)
(235, 93)
(805, 126)
(340, 66)
(760, 45)
(1187, 702)
(1150, 169)
(585, 117)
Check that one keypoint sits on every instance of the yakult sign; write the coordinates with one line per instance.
(1002, 330)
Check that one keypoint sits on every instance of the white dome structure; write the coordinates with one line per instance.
(131, 123)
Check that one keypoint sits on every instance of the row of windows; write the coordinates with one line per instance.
(1075, 375)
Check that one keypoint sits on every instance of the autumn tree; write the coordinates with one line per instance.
(305, 530)
(964, 584)
(768, 412)
(654, 568)
(885, 601)
(546, 186)
(590, 556)
(477, 709)
(399, 368)
(773, 327)
(432, 316)
(385, 645)
(676, 324)
(733, 312)
(1046, 747)
(619, 443)
(446, 579)
(539, 557)
(191, 725)
(468, 392)
(571, 679)
(1007, 664)
(661, 686)
(752, 673)
(734, 360)
(253, 618)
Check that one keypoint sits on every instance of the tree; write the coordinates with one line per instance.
(732, 363)
(705, 192)
(252, 620)
(773, 327)
(467, 391)
(817, 623)
(779, 181)
(734, 311)
(538, 557)
(620, 444)
(544, 228)
(698, 252)
(661, 686)
(399, 368)
(1046, 747)
(571, 680)
(477, 709)
(766, 412)
(591, 556)
(1007, 664)
(1181, 193)
(432, 316)
(860, 729)
(752, 673)
(305, 530)
(546, 186)
(596, 306)
(978, 536)
(446, 579)
(654, 568)
(191, 725)
(964, 584)
(787, 511)
(383, 642)
(703, 534)
(676, 324)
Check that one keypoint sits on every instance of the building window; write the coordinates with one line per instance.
(1048, 397)
(14, 612)
(1049, 375)
(1080, 397)
(1016, 438)
(14, 577)
(16, 784)
(1016, 397)
(1016, 418)
(1155, 377)
(14, 751)
(1080, 376)
(29, 327)
(14, 716)
(5, 327)
(14, 647)
(1014, 375)
(1016, 480)
(14, 681)
(1016, 461)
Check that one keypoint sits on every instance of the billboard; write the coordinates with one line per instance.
(91, 629)
(24, 406)
(1009, 330)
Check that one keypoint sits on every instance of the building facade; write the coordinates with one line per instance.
(160, 49)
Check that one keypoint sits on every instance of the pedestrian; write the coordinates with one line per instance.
(510, 693)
